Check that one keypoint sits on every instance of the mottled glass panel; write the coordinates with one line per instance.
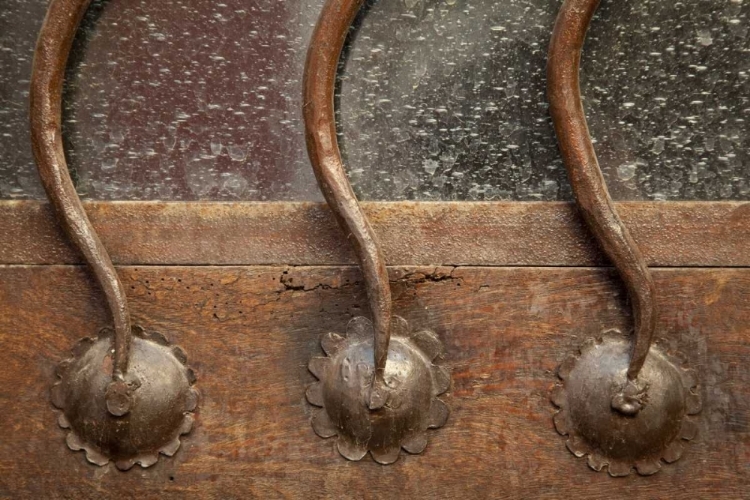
(446, 100)
(19, 23)
(667, 86)
(438, 100)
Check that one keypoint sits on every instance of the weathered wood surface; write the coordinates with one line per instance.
(249, 332)
(488, 234)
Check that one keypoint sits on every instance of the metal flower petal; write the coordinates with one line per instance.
(154, 423)
(607, 437)
(412, 384)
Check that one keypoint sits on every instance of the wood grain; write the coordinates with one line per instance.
(486, 234)
(249, 332)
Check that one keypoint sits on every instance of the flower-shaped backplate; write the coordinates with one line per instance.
(158, 384)
(667, 395)
(412, 384)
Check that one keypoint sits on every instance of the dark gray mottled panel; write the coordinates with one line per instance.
(20, 20)
(440, 100)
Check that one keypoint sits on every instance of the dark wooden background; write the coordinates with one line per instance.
(249, 331)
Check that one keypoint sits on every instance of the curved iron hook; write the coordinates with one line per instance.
(587, 181)
(320, 133)
(48, 72)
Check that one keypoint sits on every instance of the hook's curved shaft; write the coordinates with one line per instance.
(48, 72)
(320, 132)
(586, 177)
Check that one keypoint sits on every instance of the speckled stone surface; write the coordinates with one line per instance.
(439, 100)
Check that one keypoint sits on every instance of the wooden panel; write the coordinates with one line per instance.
(250, 331)
(488, 234)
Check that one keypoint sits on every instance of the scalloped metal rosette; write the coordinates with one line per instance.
(159, 387)
(412, 384)
(668, 393)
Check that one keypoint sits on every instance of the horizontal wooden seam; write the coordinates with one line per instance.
(496, 234)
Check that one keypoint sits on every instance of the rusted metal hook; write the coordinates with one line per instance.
(111, 416)
(322, 146)
(48, 73)
(588, 183)
(624, 403)
(371, 403)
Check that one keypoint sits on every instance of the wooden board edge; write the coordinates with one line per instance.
(670, 234)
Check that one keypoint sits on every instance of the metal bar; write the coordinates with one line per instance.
(320, 132)
(585, 175)
(48, 72)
